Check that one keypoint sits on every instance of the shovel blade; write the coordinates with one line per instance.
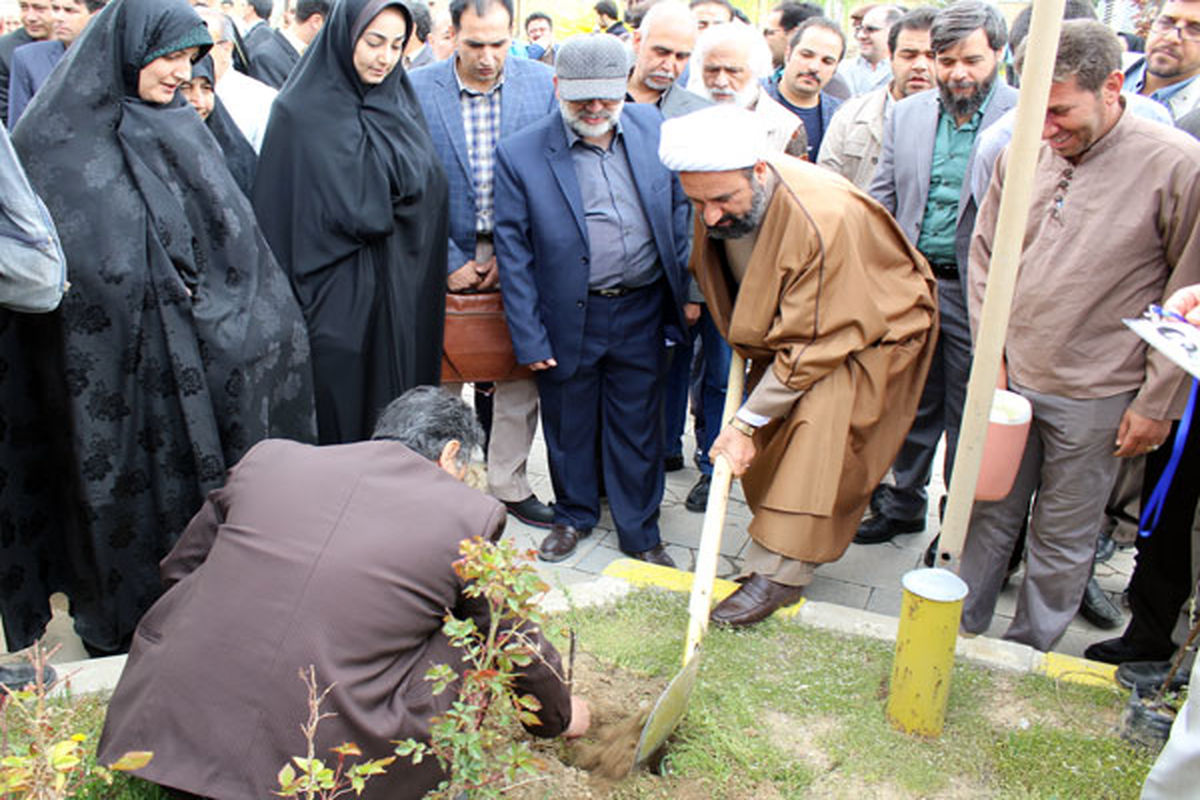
(667, 712)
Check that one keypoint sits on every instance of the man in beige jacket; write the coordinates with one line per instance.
(812, 281)
(854, 139)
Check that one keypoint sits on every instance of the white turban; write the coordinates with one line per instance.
(718, 138)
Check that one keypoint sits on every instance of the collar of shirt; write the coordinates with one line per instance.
(574, 138)
(464, 89)
(1137, 82)
(869, 67)
(294, 41)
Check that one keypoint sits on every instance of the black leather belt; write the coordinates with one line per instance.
(616, 291)
(947, 272)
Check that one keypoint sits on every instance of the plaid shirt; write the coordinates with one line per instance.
(481, 124)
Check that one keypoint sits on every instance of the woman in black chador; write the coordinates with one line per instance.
(178, 345)
(353, 201)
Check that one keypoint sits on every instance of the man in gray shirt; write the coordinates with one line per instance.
(591, 241)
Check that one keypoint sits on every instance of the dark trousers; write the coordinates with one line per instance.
(615, 394)
(940, 409)
(1162, 578)
(678, 379)
(705, 370)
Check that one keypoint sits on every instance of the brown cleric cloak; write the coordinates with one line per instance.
(838, 303)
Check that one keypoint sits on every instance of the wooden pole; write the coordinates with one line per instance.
(1042, 50)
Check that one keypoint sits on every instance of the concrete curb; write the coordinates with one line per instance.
(623, 575)
(994, 653)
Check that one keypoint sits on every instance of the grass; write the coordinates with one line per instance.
(84, 715)
(782, 710)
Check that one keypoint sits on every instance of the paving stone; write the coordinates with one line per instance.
(886, 601)
(830, 590)
(869, 565)
(598, 558)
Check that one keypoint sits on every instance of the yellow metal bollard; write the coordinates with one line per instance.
(924, 660)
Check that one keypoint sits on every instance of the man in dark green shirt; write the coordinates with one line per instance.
(928, 149)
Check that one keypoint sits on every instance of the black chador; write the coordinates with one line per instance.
(353, 200)
(177, 347)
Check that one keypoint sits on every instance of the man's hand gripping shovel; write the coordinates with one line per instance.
(672, 703)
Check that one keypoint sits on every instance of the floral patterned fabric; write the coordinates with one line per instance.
(178, 346)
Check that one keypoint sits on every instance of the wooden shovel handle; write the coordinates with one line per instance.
(714, 521)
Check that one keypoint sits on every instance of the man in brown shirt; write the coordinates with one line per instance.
(337, 557)
(815, 283)
(1112, 229)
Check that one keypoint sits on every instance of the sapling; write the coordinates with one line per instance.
(310, 777)
(52, 760)
(474, 740)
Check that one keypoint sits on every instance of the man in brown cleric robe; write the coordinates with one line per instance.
(812, 281)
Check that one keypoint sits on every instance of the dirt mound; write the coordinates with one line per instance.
(593, 766)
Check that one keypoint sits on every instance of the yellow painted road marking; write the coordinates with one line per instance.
(1077, 670)
(639, 573)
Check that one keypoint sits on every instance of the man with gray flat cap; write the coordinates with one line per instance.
(591, 241)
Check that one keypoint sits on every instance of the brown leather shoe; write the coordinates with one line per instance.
(754, 601)
(560, 542)
(655, 555)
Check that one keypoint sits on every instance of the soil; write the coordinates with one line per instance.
(1009, 710)
(598, 765)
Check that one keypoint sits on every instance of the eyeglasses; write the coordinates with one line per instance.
(1187, 29)
(868, 29)
(771, 31)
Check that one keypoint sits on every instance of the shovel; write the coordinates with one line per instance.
(672, 703)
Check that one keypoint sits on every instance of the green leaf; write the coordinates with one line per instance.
(135, 759)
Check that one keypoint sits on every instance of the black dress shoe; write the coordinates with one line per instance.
(1098, 609)
(1147, 676)
(655, 555)
(560, 543)
(880, 529)
(1105, 547)
(697, 499)
(672, 463)
(755, 600)
(532, 512)
(1119, 651)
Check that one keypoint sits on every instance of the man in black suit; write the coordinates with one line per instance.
(273, 56)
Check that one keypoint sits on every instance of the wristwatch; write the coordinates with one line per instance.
(741, 426)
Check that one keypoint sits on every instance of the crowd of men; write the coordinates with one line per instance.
(588, 177)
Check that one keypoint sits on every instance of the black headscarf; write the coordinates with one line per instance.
(239, 153)
(353, 200)
(178, 346)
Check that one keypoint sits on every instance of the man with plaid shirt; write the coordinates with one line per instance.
(470, 102)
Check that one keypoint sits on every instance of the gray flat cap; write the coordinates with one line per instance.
(592, 66)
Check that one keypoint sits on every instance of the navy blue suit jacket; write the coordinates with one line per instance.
(527, 96)
(542, 241)
(31, 66)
